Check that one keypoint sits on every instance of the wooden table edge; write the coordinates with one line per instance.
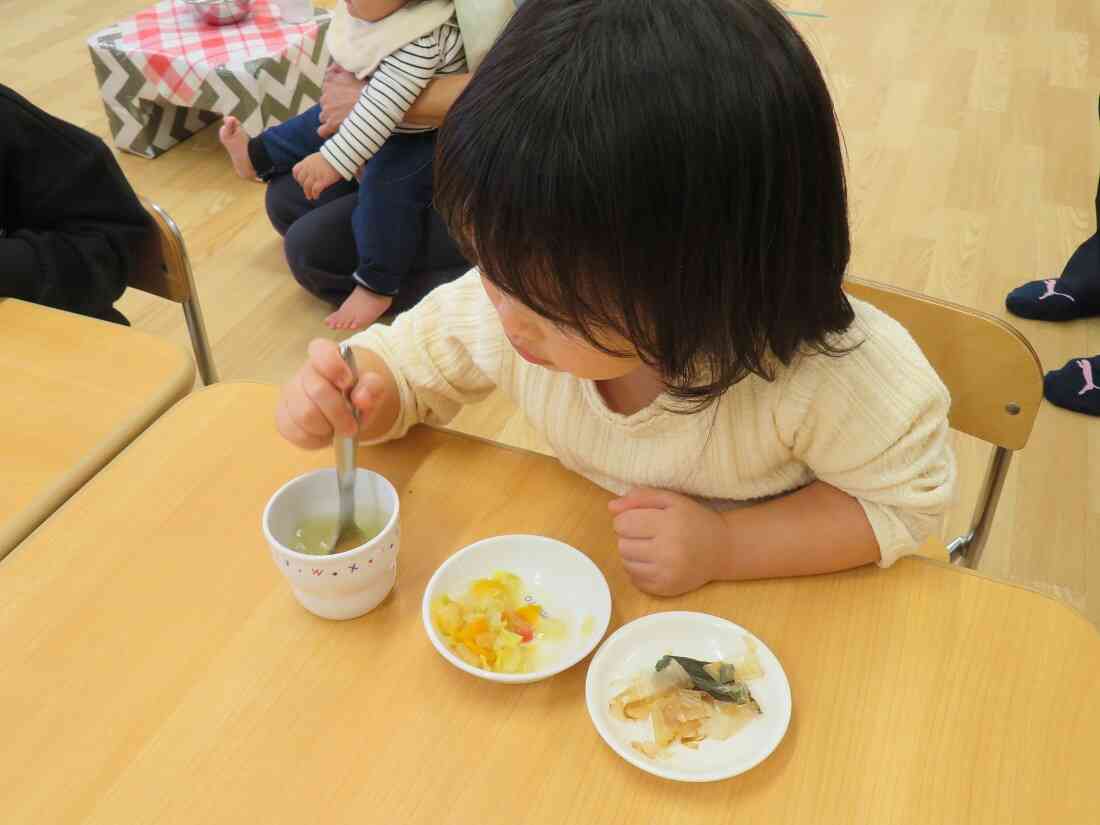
(226, 386)
(938, 544)
(1027, 588)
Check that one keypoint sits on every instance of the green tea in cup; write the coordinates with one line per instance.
(314, 535)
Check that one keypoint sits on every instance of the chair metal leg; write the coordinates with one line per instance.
(195, 326)
(966, 550)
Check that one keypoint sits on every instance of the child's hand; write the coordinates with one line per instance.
(314, 406)
(669, 544)
(315, 174)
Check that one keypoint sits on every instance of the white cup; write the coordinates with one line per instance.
(343, 585)
(295, 11)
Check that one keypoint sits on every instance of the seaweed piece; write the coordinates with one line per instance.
(724, 691)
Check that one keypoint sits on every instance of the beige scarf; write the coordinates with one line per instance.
(481, 21)
(359, 46)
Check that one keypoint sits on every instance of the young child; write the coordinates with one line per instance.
(654, 192)
(401, 45)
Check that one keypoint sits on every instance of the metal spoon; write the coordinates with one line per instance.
(346, 529)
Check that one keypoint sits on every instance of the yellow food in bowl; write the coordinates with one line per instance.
(494, 626)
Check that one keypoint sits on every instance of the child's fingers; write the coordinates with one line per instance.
(645, 497)
(331, 402)
(637, 552)
(303, 413)
(289, 429)
(324, 356)
(637, 524)
(643, 577)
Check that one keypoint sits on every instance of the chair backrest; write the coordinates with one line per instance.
(163, 268)
(993, 374)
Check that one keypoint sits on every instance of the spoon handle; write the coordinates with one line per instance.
(345, 453)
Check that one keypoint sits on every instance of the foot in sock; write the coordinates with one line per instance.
(235, 141)
(360, 309)
(1076, 294)
(1074, 386)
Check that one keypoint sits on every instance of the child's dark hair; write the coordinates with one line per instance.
(666, 169)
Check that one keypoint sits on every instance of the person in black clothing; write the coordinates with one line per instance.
(1073, 294)
(69, 221)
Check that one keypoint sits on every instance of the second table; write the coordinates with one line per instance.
(158, 670)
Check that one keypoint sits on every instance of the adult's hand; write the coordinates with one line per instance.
(338, 96)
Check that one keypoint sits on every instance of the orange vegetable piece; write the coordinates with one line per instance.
(530, 613)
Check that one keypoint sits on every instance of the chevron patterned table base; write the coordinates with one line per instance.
(260, 94)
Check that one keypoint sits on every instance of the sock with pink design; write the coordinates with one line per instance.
(1076, 386)
(1076, 294)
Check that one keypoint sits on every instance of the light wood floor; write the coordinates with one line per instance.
(973, 144)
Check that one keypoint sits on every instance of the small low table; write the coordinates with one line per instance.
(157, 669)
(164, 75)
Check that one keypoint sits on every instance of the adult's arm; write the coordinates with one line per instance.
(71, 221)
(342, 90)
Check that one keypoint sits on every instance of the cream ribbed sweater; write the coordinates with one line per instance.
(872, 422)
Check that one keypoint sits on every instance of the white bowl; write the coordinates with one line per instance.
(220, 12)
(564, 581)
(342, 585)
(637, 646)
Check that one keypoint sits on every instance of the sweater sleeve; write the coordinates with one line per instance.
(443, 352)
(72, 220)
(873, 423)
(395, 84)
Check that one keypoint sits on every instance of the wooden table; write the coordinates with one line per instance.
(75, 392)
(157, 668)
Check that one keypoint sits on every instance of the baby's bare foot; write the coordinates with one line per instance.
(361, 309)
(235, 141)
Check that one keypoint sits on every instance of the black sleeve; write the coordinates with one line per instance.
(70, 220)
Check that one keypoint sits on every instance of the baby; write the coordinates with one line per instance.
(400, 45)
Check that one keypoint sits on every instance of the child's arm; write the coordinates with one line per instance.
(435, 358)
(670, 544)
(444, 353)
(818, 529)
(395, 85)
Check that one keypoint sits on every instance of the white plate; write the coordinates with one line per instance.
(563, 580)
(637, 646)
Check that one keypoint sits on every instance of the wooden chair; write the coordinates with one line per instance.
(995, 380)
(165, 270)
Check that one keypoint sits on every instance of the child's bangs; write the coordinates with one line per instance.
(552, 280)
(527, 236)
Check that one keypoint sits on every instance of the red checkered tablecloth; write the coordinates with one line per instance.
(180, 50)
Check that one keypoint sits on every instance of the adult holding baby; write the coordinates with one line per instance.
(321, 247)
